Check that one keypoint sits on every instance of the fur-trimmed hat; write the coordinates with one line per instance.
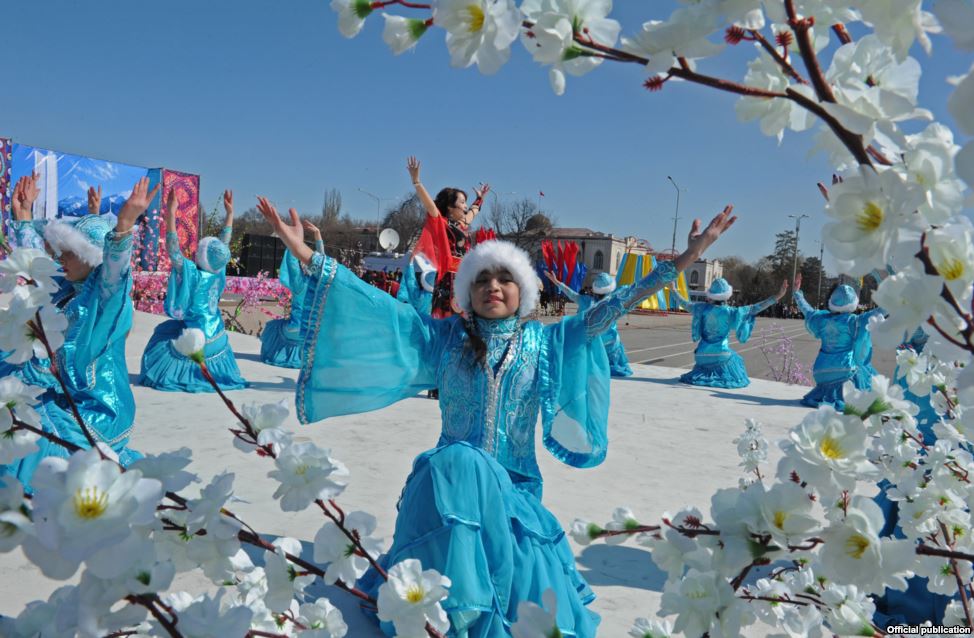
(212, 255)
(603, 284)
(85, 237)
(493, 256)
(426, 271)
(844, 299)
(720, 290)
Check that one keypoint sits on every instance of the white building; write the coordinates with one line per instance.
(701, 274)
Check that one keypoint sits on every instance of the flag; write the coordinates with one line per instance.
(541, 193)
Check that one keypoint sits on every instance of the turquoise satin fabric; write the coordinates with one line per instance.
(411, 292)
(844, 354)
(280, 341)
(715, 363)
(193, 301)
(92, 364)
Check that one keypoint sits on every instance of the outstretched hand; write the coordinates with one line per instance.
(551, 276)
(783, 290)
(482, 190)
(291, 234)
(412, 165)
(136, 204)
(25, 192)
(94, 200)
(798, 282)
(311, 228)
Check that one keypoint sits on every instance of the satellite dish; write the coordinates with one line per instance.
(388, 239)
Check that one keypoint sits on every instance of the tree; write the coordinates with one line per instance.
(331, 209)
(811, 269)
(406, 218)
(519, 222)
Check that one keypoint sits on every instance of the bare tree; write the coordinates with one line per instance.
(331, 209)
(406, 218)
(518, 222)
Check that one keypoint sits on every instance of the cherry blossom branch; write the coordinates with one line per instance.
(249, 430)
(802, 28)
(785, 65)
(410, 5)
(37, 326)
(339, 520)
(53, 438)
(926, 550)
(149, 601)
(840, 32)
(960, 583)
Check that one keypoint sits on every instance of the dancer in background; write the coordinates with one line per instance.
(280, 342)
(603, 286)
(471, 508)
(716, 365)
(98, 307)
(193, 301)
(446, 235)
(842, 333)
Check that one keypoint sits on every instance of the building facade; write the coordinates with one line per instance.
(701, 274)
(600, 252)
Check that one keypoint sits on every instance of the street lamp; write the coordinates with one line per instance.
(676, 214)
(821, 267)
(378, 212)
(794, 265)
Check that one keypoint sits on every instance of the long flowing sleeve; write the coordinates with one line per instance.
(363, 350)
(813, 318)
(680, 301)
(225, 234)
(574, 391)
(604, 313)
(116, 263)
(567, 291)
(172, 247)
(320, 246)
(747, 315)
(26, 235)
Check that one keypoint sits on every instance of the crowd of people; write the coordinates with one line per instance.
(456, 320)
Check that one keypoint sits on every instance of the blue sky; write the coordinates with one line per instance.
(269, 98)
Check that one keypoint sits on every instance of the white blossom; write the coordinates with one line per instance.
(683, 35)
(478, 31)
(14, 522)
(267, 420)
(696, 600)
(402, 34)
(411, 597)
(774, 114)
(333, 548)
(849, 611)
(655, 628)
(282, 580)
(537, 622)
(622, 519)
(305, 473)
(351, 15)
(898, 23)
(322, 619)
(190, 343)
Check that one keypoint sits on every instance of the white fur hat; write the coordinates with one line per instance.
(85, 237)
(844, 299)
(720, 290)
(493, 256)
(212, 255)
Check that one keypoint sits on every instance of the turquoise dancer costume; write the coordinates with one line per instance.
(471, 507)
(842, 356)
(715, 364)
(92, 359)
(193, 301)
(280, 343)
(603, 285)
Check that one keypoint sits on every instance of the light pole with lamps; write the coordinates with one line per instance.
(378, 212)
(676, 214)
(821, 267)
(794, 265)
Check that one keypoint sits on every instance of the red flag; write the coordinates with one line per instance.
(541, 193)
(560, 261)
(485, 234)
(571, 253)
(548, 253)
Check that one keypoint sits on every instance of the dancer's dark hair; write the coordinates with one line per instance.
(475, 341)
(447, 198)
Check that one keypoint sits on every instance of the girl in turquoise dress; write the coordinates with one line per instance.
(280, 342)
(715, 364)
(95, 256)
(843, 334)
(471, 507)
(193, 301)
(603, 286)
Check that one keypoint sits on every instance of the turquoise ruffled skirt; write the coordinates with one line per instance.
(57, 419)
(723, 371)
(618, 361)
(461, 514)
(163, 368)
(280, 345)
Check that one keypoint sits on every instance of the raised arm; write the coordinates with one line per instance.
(413, 165)
(565, 290)
(172, 238)
(316, 233)
(118, 245)
(600, 316)
(760, 306)
(94, 200)
(805, 307)
(291, 234)
(478, 204)
(25, 192)
(227, 232)
(679, 300)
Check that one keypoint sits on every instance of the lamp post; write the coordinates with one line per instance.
(794, 265)
(821, 267)
(676, 214)
(378, 212)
